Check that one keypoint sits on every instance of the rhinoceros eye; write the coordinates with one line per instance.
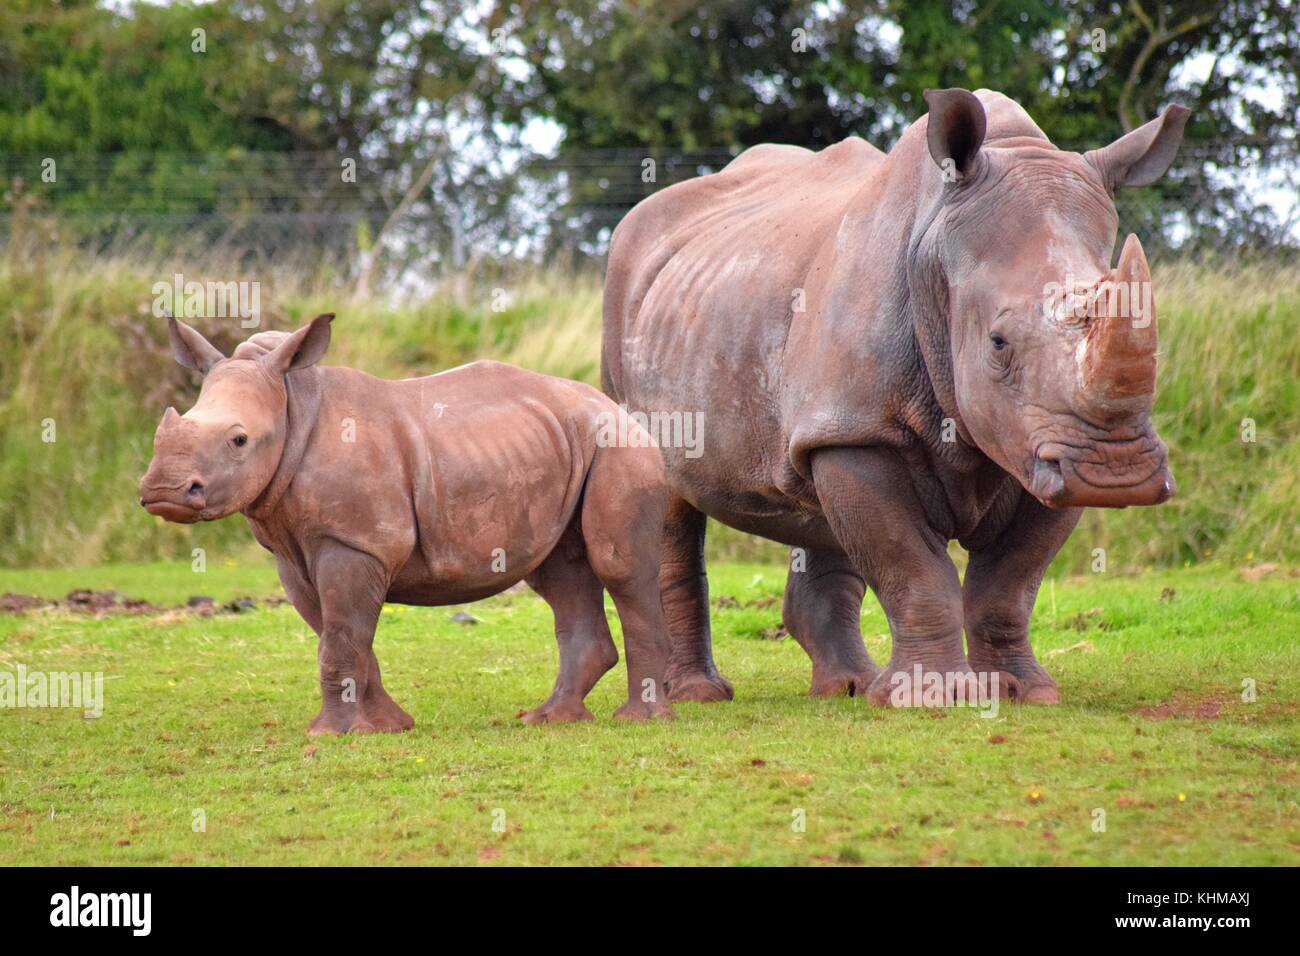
(999, 343)
(240, 441)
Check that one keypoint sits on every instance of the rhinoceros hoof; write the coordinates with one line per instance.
(897, 687)
(1048, 694)
(842, 683)
(556, 712)
(699, 686)
(392, 720)
(1022, 691)
(640, 710)
(1023, 681)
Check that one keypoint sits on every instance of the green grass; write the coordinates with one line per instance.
(210, 713)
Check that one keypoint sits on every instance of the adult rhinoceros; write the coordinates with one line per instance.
(883, 366)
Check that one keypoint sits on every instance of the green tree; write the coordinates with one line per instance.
(726, 74)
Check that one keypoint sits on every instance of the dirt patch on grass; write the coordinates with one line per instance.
(98, 603)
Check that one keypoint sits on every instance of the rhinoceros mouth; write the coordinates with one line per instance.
(1115, 474)
(172, 511)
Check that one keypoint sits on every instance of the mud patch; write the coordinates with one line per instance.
(17, 603)
(99, 603)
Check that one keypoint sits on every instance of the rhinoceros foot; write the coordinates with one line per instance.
(1042, 693)
(843, 682)
(700, 685)
(556, 712)
(382, 717)
(915, 682)
(637, 709)
(1025, 679)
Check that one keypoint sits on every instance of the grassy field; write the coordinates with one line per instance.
(208, 714)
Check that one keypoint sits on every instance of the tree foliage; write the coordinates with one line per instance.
(439, 94)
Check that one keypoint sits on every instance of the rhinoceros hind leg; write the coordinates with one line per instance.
(623, 508)
(823, 604)
(566, 582)
(684, 585)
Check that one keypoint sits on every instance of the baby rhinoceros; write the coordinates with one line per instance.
(427, 491)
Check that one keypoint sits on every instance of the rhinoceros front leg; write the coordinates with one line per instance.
(352, 587)
(1001, 585)
(684, 585)
(822, 610)
(868, 498)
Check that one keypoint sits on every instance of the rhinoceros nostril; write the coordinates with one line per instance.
(196, 488)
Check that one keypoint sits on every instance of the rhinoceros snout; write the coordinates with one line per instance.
(1067, 482)
(181, 501)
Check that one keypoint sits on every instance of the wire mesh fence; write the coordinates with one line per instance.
(1222, 198)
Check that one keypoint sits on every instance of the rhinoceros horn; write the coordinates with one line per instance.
(1119, 358)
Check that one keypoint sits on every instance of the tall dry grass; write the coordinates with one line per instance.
(80, 347)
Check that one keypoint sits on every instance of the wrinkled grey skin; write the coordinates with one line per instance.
(867, 337)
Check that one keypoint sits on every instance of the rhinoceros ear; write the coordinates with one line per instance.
(1141, 157)
(955, 131)
(303, 348)
(190, 348)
